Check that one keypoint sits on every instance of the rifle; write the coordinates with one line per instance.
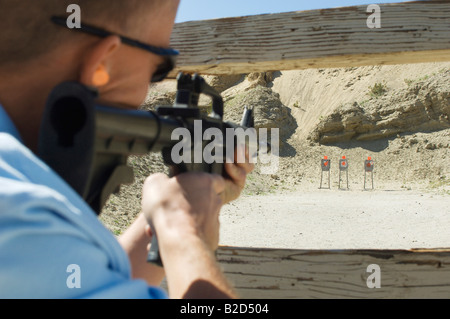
(88, 144)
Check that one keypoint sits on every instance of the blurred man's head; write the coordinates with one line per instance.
(27, 31)
(37, 54)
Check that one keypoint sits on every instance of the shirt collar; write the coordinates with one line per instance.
(6, 125)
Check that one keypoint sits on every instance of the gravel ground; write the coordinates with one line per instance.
(339, 219)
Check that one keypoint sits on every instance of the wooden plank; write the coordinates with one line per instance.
(297, 274)
(411, 32)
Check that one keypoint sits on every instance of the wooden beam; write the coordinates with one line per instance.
(297, 274)
(411, 32)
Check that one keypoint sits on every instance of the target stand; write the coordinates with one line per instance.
(368, 168)
(343, 167)
(325, 165)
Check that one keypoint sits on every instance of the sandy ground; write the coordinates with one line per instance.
(339, 219)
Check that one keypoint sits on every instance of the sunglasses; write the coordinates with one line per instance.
(168, 54)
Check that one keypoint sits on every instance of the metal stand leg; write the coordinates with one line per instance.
(372, 179)
(321, 176)
(346, 174)
(339, 179)
(364, 180)
(329, 185)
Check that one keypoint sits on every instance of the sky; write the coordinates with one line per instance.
(192, 10)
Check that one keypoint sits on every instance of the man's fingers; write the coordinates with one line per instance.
(154, 179)
(213, 181)
(236, 172)
(148, 231)
(248, 167)
(218, 183)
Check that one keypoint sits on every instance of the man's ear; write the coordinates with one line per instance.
(95, 64)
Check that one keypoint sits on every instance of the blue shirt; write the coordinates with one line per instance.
(52, 244)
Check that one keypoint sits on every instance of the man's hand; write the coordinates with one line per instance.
(237, 173)
(185, 204)
(195, 199)
(184, 212)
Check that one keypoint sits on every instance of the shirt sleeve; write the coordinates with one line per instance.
(45, 253)
(52, 244)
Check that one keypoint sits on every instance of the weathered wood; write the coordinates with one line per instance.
(297, 274)
(410, 32)
(259, 273)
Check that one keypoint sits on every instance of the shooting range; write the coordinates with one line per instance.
(412, 32)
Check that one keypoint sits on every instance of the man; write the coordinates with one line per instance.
(51, 243)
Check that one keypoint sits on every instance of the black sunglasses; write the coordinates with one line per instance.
(162, 70)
